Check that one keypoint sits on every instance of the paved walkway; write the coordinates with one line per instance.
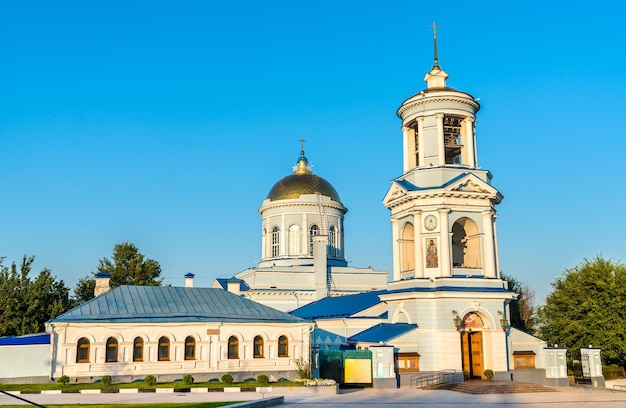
(367, 398)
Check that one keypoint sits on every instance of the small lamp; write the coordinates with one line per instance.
(457, 322)
(504, 322)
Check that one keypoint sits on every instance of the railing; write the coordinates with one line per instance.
(435, 378)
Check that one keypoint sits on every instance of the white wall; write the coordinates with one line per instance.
(24, 361)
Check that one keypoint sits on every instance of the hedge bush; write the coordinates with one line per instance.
(150, 380)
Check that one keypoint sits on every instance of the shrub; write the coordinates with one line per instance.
(612, 372)
(227, 379)
(262, 379)
(150, 380)
(107, 380)
(64, 379)
(466, 375)
(187, 379)
(488, 373)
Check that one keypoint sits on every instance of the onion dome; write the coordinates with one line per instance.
(301, 182)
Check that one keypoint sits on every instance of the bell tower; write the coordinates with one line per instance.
(443, 205)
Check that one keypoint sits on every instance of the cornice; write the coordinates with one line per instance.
(407, 198)
(274, 205)
(439, 99)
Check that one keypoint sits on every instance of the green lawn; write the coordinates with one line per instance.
(179, 384)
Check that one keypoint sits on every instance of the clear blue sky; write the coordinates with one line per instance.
(166, 123)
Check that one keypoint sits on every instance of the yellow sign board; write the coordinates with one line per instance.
(357, 371)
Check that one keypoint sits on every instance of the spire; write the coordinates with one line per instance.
(302, 165)
(435, 27)
(436, 78)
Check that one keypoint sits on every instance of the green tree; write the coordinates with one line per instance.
(84, 290)
(25, 304)
(523, 309)
(587, 306)
(128, 266)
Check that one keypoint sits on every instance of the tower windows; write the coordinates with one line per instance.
(275, 241)
(294, 240)
(466, 251)
(452, 139)
(407, 248)
(332, 241)
(313, 231)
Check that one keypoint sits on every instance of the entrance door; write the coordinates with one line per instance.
(472, 350)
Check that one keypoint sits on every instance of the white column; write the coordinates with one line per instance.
(405, 148)
(489, 244)
(444, 246)
(304, 236)
(470, 157)
(419, 248)
(420, 141)
(282, 237)
(441, 151)
(495, 243)
(264, 239)
(396, 249)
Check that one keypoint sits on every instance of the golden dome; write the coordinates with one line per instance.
(302, 181)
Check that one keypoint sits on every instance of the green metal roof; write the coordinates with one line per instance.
(172, 304)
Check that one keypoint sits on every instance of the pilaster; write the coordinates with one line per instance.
(444, 238)
(419, 246)
(441, 148)
(488, 242)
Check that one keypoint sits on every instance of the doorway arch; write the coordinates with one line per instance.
(472, 345)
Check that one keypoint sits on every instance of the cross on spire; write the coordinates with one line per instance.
(434, 26)
(302, 142)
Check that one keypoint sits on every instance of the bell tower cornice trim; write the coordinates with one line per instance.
(468, 100)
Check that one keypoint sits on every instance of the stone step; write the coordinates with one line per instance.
(492, 387)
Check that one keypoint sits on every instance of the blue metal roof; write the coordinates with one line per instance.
(172, 304)
(412, 187)
(27, 340)
(338, 306)
(450, 289)
(243, 286)
(382, 332)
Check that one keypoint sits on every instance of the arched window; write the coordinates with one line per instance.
(82, 351)
(190, 348)
(233, 347)
(313, 231)
(138, 349)
(258, 347)
(332, 241)
(164, 349)
(407, 248)
(283, 346)
(466, 251)
(111, 350)
(275, 241)
(294, 240)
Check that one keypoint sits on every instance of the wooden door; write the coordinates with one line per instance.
(476, 344)
(465, 351)
(472, 352)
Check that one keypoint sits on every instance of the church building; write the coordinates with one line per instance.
(446, 306)
(303, 248)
